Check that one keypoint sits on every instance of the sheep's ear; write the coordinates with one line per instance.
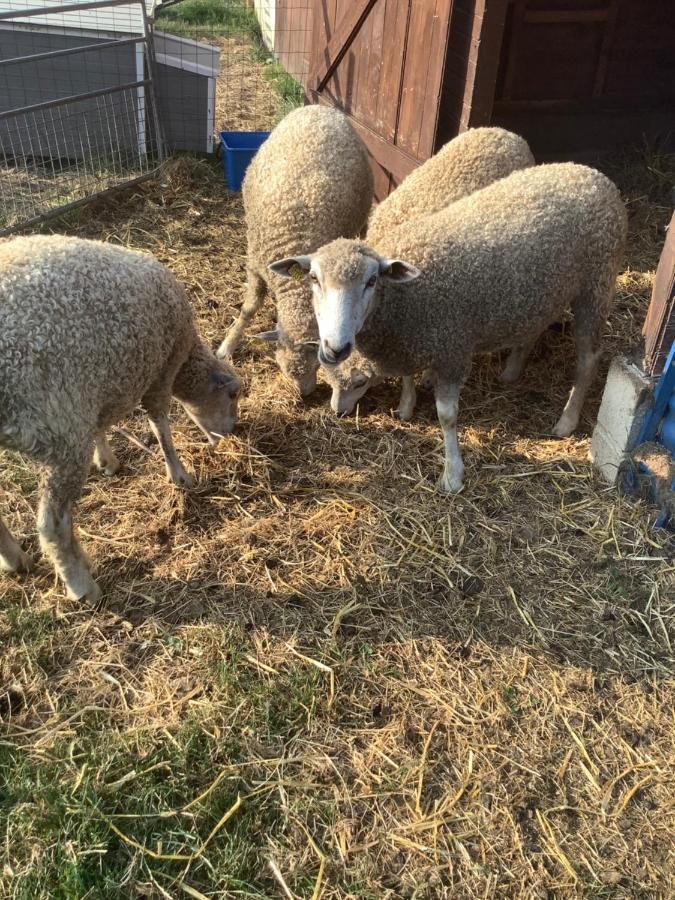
(269, 336)
(398, 270)
(292, 266)
(221, 380)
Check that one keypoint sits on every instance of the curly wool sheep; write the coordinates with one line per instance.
(490, 271)
(309, 183)
(464, 165)
(89, 331)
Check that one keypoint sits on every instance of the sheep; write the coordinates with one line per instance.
(309, 183)
(492, 270)
(89, 330)
(465, 164)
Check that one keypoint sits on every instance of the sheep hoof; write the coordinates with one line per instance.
(109, 467)
(90, 596)
(184, 480)
(563, 428)
(508, 376)
(450, 482)
(404, 413)
(19, 562)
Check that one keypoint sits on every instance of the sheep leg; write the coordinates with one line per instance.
(516, 362)
(447, 402)
(12, 557)
(159, 422)
(104, 455)
(61, 488)
(590, 314)
(588, 357)
(406, 405)
(256, 290)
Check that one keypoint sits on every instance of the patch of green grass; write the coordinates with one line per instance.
(100, 811)
(227, 18)
(220, 18)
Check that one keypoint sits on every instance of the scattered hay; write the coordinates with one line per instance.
(411, 696)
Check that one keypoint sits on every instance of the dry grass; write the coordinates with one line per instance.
(313, 676)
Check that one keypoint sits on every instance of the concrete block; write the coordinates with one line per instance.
(625, 402)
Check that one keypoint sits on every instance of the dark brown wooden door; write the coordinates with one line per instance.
(382, 62)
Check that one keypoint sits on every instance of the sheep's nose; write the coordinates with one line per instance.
(331, 356)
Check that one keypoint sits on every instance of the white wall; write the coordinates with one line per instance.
(265, 10)
(127, 19)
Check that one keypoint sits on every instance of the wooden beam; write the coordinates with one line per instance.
(659, 327)
(343, 37)
(481, 74)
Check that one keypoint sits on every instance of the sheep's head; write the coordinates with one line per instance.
(208, 389)
(345, 276)
(349, 383)
(298, 361)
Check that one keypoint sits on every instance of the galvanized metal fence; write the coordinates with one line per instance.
(78, 116)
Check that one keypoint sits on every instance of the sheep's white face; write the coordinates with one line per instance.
(341, 306)
(345, 278)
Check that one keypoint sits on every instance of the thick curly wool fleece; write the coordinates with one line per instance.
(309, 183)
(497, 268)
(87, 329)
(464, 165)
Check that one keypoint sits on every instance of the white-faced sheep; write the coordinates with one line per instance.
(309, 183)
(490, 271)
(89, 330)
(464, 165)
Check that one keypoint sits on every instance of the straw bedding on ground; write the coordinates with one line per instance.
(315, 677)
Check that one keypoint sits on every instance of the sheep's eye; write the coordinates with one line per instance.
(313, 277)
(371, 281)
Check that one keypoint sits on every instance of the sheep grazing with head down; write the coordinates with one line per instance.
(464, 165)
(490, 271)
(89, 330)
(309, 183)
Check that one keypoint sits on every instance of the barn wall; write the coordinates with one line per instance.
(580, 75)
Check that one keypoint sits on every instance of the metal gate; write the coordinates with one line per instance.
(77, 107)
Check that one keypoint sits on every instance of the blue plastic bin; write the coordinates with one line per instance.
(239, 148)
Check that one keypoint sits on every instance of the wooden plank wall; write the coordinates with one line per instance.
(390, 79)
(580, 75)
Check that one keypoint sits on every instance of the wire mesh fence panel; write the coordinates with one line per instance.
(77, 109)
(263, 54)
(93, 93)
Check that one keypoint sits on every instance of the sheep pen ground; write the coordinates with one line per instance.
(313, 676)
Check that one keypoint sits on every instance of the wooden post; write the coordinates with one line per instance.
(481, 76)
(659, 327)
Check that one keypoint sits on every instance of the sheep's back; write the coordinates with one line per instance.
(466, 164)
(309, 183)
(507, 260)
(86, 326)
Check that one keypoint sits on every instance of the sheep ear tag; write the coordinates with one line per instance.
(295, 267)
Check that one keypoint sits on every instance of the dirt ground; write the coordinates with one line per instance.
(315, 677)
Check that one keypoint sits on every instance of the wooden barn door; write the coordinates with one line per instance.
(382, 62)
